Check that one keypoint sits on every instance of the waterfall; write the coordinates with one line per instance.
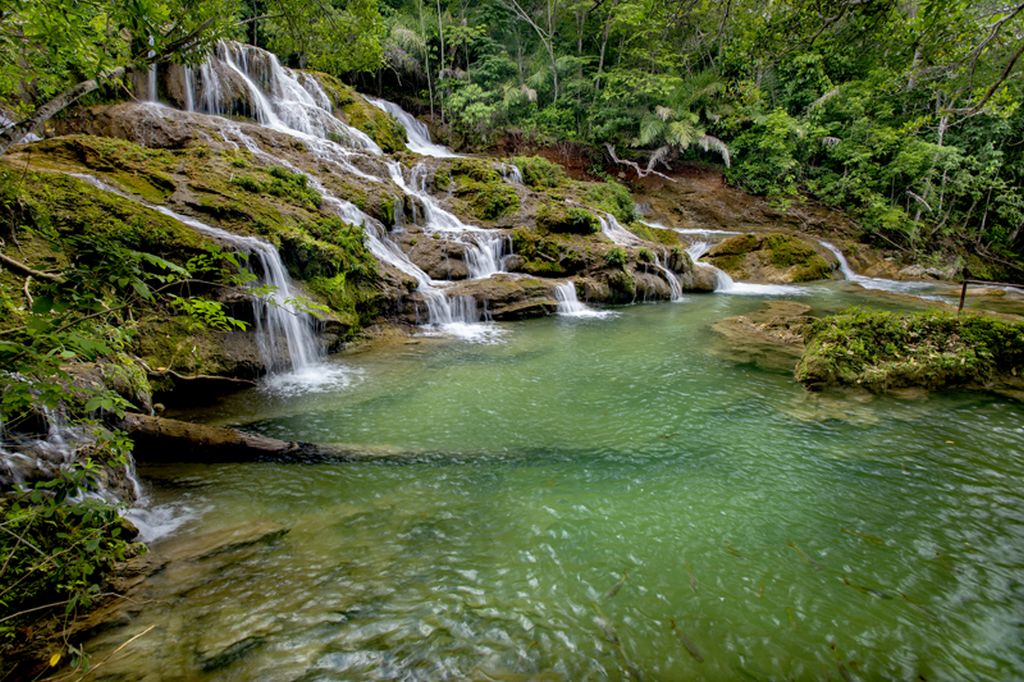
(436, 219)
(279, 323)
(486, 250)
(242, 79)
(486, 253)
(876, 283)
(418, 136)
(151, 95)
(242, 75)
(456, 318)
(511, 173)
(725, 284)
(674, 284)
(189, 84)
(611, 228)
(570, 306)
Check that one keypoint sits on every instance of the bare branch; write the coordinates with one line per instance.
(16, 132)
(656, 157)
(23, 269)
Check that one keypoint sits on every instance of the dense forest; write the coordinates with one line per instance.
(904, 114)
(899, 121)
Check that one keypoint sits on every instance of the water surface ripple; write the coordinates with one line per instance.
(598, 499)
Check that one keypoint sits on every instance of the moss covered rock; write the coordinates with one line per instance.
(546, 255)
(538, 172)
(775, 257)
(881, 351)
(567, 219)
(479, 187)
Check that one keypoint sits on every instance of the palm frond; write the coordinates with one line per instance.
(652, 130)
(712, 143)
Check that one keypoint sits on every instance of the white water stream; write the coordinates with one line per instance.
(416, 131)
(726, 285)
(569, 304)
(284, 333)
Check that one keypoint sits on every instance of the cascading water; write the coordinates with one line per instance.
(416, 131)
(725, 284)
(675, 286)
(28, 459)
(284, 333)
(486, 250)
(876, 283)
(454, 317)
(611, 228)
(277, 97)
(294, 104)
(569, 304)
(511, 173)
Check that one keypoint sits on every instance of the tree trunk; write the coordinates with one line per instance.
(158, 439)
(14, 133)
(440, 68)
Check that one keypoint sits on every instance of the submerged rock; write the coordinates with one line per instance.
(771, 337)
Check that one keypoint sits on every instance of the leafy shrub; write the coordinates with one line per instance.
(883, 350)
(538, 172)
(616, 257)
(57, 551)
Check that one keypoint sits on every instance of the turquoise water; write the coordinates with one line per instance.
(595, 499)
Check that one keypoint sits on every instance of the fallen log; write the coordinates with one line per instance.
(158, 439)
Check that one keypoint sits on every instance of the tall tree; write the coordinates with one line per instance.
(53, 53)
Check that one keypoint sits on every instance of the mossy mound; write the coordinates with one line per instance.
(612, 198)
(567, 219)
(479, 187)
(538, 172)
(547, 255)
(883, 350)
(381, 126)
(775, 257)
(56, 218)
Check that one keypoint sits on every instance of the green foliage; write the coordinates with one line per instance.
(472, 111)
(616, 257)
(57, 551)
(111, 280)
(337, 37)
(613, 198)
(883, 350)
(567, 219)
(538, 172)
(46, 48)
(907, 116)
(765, 153)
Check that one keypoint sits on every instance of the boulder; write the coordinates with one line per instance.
(772, 258)
(771, 337)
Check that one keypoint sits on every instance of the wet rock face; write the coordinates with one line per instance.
(772, 258)
(441, 259)
(148, 125)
